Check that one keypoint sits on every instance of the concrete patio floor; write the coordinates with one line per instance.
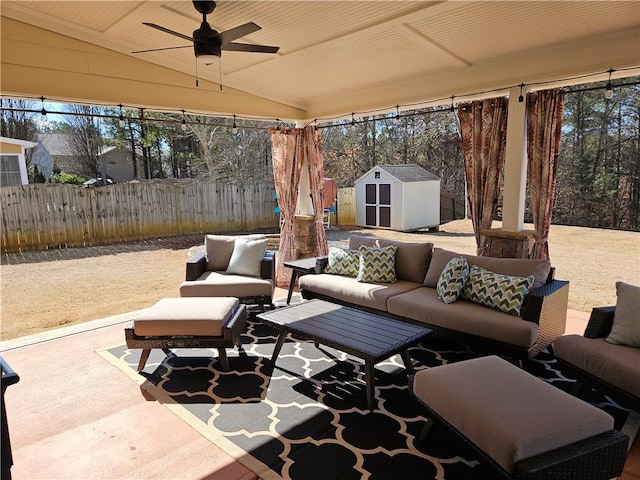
(74, 416)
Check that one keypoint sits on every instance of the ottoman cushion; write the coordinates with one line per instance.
(506, 412)
(186, 316)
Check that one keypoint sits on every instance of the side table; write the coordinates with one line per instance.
(298, 268)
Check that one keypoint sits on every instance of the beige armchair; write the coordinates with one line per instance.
(232, 266)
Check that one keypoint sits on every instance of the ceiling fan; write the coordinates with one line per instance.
(208, 43)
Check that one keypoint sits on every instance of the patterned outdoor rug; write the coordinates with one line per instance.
(307, 418)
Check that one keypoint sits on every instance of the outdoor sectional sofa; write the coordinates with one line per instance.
(413, 297)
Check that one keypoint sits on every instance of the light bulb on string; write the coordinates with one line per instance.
(121, 117)
(43, 112)
(608, 92)
(183, 125)
(234, 128)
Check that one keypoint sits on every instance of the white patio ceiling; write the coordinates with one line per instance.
(336, 57)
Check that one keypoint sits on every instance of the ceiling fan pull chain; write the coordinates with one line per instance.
(197, 83)
(220, 71)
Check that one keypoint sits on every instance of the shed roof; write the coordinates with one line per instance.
(408, 173)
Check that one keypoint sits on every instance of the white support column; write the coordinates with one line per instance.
(515, 167)
(304, 205)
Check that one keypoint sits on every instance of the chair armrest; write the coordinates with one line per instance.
(321, 264)
(600, 322)
(196, 266)
(268, 265)
(547, 306)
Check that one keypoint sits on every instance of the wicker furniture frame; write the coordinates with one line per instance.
(197, 265)
(370, 337)
(231, 336)
(600, 457)
(599, 326)
(545, 306)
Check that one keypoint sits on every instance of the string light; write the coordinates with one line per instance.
(453, 109)
(234, 128)
(521, 97)
(397, 112)
(183, 125)
(608, 93)
(43, 112)
(121, 117)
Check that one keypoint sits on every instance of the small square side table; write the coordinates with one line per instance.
(298, 268)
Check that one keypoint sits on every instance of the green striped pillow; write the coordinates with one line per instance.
(502, 292)
(377, 264)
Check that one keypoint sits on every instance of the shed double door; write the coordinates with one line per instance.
(377, 205)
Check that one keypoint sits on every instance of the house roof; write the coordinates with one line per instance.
(335, 57)
(57, 144)
(15, 141)
(405, 173)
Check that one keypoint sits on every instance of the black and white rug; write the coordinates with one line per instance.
(307, 418)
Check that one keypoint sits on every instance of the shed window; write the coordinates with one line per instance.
(10, 170)
(376, 174)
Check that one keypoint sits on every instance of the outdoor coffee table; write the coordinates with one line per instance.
(365, 335)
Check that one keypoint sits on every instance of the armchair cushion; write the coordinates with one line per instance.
(626, 323)
(218, 249)
(246, 257)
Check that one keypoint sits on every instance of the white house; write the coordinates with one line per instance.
(398, 197)
(13, 165)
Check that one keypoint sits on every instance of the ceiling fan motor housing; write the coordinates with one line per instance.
(206, 41)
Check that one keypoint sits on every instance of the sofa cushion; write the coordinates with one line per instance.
(350, 290)
(626, 319)
(218, 249)
(618, 365)
(504, 292)
(377, 264)
(221, 284)
(247, 256)
(343, 262)
(516, 267)
(453, 279)
(412, 258)
(422, 304)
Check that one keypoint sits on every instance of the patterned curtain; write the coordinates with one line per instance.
(483, 128)
(290, 147)
(313, 143)
(287, 164)
(544, 124)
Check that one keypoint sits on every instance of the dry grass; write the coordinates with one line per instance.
(41, 296)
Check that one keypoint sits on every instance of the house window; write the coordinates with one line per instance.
(10, 170)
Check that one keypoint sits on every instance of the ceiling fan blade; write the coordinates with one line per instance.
(244, 47)
(238, 32)
(160, 49)
(166, 30)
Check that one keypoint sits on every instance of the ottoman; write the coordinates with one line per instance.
(188, 323)
(519, 424)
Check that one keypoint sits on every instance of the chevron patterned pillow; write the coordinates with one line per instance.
(502, 292)
(343, 262)
(452, 279)
(377, 264)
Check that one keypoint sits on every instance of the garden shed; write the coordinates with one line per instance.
(398, 197)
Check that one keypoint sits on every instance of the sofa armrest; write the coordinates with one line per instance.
(547, 306)
(268, 265)
(321, 264)
(600, 322)
(196, 266)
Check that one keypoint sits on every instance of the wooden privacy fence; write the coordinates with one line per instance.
(36, 217)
